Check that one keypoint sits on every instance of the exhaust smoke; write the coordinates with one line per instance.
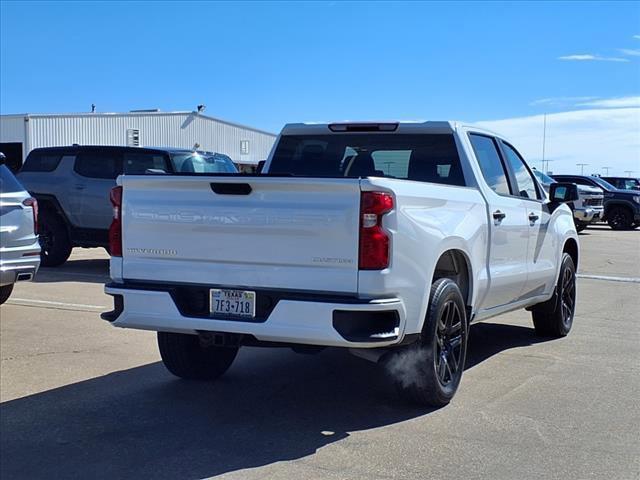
(408, 366)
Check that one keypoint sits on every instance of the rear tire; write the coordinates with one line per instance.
(428, 372)
(5, 292)
(54, 240)
(554, 317)
(620, 218)
(580, 226)
(185, 357)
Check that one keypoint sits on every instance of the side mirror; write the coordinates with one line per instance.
(260, 166)
(563, 192)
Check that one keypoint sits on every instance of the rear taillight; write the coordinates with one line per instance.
(374, 240)
(33, 203)
(115, 230)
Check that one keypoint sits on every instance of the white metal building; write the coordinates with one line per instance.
(21, 133)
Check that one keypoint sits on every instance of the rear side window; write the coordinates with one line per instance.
(490, 163)
(139, 163)
(8, 183)
(99, 165)
(421, 157)
(41, 162)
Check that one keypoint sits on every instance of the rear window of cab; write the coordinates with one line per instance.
(425, 157)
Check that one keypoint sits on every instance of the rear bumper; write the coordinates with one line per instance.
(354, 323)
(19, 263)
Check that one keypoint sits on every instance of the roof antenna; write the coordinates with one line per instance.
(93, 108)
(201, 108)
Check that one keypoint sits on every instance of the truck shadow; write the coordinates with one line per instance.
(272, 406)
(78, 270)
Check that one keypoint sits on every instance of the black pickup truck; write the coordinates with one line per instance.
(621, 207)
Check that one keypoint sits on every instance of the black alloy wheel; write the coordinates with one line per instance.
(568, 297)
(620, 218)
(554, 318)
(449, 337)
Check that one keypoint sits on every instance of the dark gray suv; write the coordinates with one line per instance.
(72, 186)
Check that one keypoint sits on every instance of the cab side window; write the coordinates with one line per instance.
(139, 163)
(490, 163)
(98, 165)
(523, 177)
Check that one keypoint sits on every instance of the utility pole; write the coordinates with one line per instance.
(547, 170)
(628, 172)
(582, 165)
(544, 140)
(606, 169)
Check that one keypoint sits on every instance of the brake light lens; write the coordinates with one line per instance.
(115, 230)
(374, 240)
(33, 203)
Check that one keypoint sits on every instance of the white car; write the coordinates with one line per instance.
(19, 247)
(588, 208)
(385, 238)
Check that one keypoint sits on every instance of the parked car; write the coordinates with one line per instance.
(623, 183)
(72, 186)
(387, 239)
(589, 208)
(19, 247)
(621, 207)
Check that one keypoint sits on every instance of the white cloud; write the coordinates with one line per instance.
(589, 57)
(637, 37)
(621, 102)
(599, 137)
(629, 51)
(560, 101)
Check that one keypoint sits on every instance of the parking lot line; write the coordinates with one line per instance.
(33, 302)
(610, 279)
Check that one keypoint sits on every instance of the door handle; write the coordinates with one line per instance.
(498, 215)
(533, 217)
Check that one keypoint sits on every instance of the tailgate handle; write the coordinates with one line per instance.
(231, 188)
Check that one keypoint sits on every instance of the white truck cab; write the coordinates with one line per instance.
(385, 238)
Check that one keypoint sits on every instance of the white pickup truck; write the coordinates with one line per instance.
(388, 239)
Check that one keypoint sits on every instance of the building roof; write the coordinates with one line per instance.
(135, 114)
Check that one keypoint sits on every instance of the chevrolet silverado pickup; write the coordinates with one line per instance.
(388, 239)
(621, 207)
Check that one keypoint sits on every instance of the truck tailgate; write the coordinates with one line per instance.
(289, 233)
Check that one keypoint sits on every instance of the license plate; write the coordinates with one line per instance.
(239, 303)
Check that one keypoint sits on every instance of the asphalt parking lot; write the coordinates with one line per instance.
(81, 399)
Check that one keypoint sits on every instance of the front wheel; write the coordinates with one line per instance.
(580, 226)
(428, 372)
(554, 317)
(186, 357)
(620, 218)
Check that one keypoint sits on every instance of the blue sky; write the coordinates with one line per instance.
(265, 64)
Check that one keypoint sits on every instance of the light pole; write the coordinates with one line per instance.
(628, 172)
(544, 139)
(606, 169)
(582, 165)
